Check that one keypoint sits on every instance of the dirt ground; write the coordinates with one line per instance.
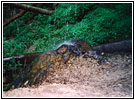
(85, 77)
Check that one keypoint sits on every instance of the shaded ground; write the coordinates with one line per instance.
(84, 77)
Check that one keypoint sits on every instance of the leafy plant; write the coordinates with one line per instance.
(96, 23)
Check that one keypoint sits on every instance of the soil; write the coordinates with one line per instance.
(85, 77)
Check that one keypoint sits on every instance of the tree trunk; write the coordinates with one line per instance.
(30, 8)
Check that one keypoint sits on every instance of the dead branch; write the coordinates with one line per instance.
(21, 13)
(30, 8)
(23, 58)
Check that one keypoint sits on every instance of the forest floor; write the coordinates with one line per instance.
(84, 77)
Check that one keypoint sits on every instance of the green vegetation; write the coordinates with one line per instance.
(96, 23)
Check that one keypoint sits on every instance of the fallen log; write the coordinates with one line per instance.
(123, 46)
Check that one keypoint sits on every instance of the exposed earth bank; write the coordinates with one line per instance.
(85, 77)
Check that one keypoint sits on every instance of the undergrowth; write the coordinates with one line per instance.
(95, 23)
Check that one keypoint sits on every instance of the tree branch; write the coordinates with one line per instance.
(30, 8)
(21, 13)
